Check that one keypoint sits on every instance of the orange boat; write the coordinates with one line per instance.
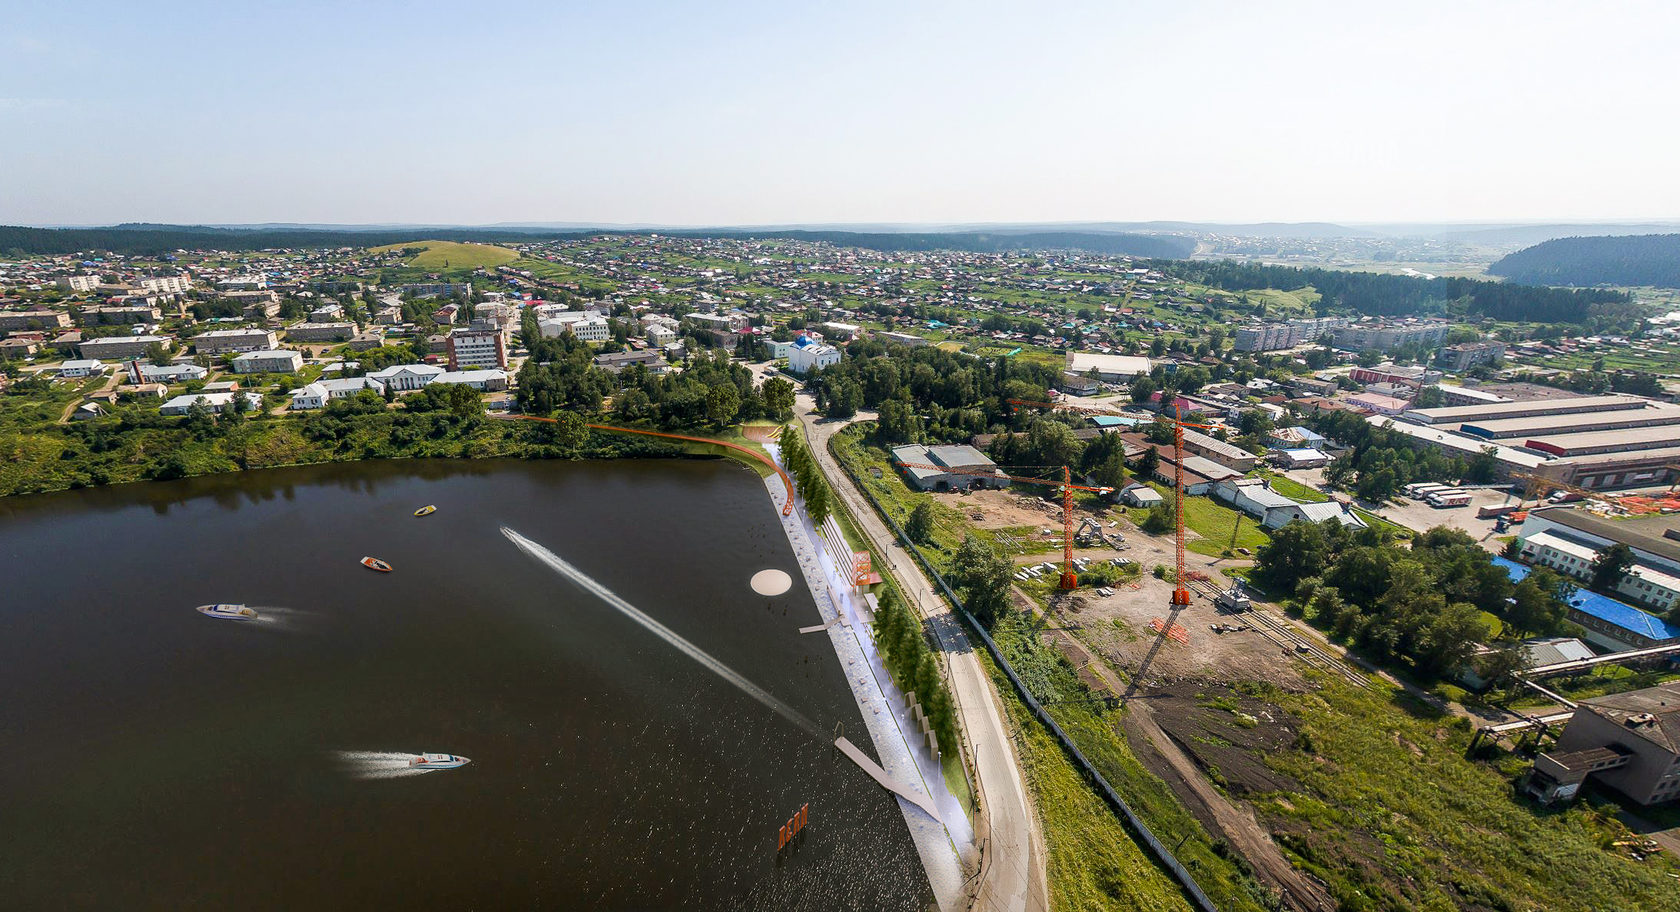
(374, 563)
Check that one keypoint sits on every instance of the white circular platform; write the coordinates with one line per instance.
(771, 582)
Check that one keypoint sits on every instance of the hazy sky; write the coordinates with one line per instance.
(751, 113)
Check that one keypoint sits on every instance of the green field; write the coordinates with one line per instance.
(453, 255)
(1213, 521)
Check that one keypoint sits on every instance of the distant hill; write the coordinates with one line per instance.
(1646, 259)
(149, 239)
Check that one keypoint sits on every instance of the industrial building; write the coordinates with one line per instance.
(1226, 454)
(1589, 441)
(947, 468)
(1569, 540)
(1629, 742)
(1109, 368)
(1654, 414)
(1461, 414)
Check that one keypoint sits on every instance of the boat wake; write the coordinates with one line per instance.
(554, 562)
(379, 764)
(273, 617)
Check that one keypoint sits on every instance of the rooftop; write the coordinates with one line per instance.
(1652, 713)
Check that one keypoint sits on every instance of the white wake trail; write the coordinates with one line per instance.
(694, 652)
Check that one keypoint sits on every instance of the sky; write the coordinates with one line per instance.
(744, 113)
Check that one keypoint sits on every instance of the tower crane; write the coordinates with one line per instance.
(1070, 579)
(1181, 593)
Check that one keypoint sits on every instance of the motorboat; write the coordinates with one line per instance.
(374, 563)
(437, 762)
(228, 612)
(426, 510)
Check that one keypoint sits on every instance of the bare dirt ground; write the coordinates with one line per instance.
(1183, 732)
(1006, 509)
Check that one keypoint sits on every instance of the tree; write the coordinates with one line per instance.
(982, 577)
(1161, 519)
(920, 524)
(1148, 463)
(1536, 608)
(778, 398)
(1611, 565)
(1296, 551)
(722, 403)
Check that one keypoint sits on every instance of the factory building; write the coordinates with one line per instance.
(1569, 541)
(1461, 414)
(1629, 742)
(1109, 368)
(952, 467)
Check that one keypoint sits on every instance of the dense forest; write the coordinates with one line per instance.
(1646, 259)
(1380, 294)
(150, 240)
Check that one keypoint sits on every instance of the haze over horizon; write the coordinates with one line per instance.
(757, 114)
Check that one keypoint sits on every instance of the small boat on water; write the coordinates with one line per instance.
(228, 612)
(426, 510)
(437, 762)
(374, 563)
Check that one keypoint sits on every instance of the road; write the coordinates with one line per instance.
(1012, 862)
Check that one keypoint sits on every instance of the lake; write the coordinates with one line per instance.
(157, 758)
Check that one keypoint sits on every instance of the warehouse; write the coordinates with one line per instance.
(1219, 451)
(1459, 414)
(1599, 442)
(947, 468)
(1109, 368)
(1656, 415)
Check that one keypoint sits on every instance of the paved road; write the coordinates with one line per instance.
(1012, 863)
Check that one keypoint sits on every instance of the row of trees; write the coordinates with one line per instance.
(1421, 606)
(803, 468)
(904, 649)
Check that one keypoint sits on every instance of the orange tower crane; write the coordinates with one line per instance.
(1070, 579)
(1181, 593)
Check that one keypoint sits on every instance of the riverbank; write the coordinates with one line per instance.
(136, 446)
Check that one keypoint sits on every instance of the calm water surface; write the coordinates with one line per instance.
(156, 758)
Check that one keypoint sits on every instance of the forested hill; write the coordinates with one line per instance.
(1382, 294)
(158, 239)
(1641, 259)
(147, 240)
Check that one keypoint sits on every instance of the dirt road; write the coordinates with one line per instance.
(1012, 863)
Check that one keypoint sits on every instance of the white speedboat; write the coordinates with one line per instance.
(437, 762)
(229, 612)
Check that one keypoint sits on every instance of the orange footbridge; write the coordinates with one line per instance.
(787, 507)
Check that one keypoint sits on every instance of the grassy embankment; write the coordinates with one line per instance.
(452, 255)
(1392, 816)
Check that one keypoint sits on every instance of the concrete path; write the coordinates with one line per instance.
(1012, 863)
(940, 849)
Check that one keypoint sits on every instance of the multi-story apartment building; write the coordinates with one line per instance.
(1465, 355)
(79, 282)
(165, 284)
(25, 320)
(220, 341)
(1389, 336)
(476, 347)
(1275, 336)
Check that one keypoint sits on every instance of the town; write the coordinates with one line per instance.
(1276, 437)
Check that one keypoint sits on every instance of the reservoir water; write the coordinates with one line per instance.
(155, 758)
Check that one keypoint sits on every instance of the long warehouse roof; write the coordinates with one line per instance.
(1656, 415)
(1455, 414)
(1595, 442)
(1469, 446)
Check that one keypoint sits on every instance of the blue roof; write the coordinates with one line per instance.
(1605, 609)
(1308, 434)
(1114, 421)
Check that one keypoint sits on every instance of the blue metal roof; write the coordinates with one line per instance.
(1115, 421)
(1607, 610)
